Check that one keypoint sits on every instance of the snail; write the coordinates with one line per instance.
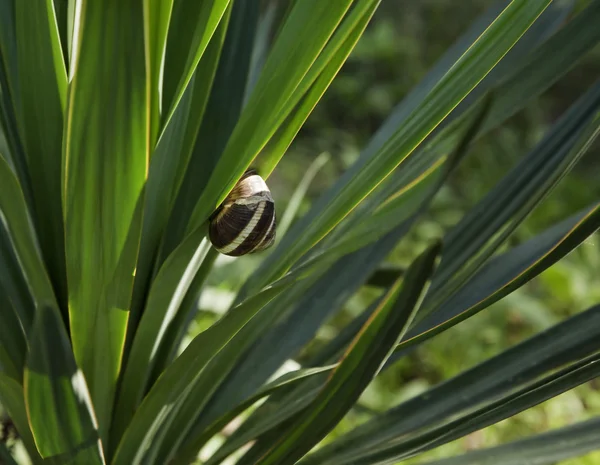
(245, 222)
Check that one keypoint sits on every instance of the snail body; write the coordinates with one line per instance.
(245, 222)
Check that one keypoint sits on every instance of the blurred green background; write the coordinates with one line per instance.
(403, 41)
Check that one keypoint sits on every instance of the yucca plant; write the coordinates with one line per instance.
(127, 123)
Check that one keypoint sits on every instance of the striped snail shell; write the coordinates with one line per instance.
(245, 222)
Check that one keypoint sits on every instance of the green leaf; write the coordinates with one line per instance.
(192, 26)
(299, 193)
(385, 276)
(503, 274)
(290, 59)
(453, 87)
(538, 71)
(167, 292)
(564, 343)
(509, 271)
(175, 383)
(157, 15)
(316, 82)
(533, 394)
(285, 381)
(43, 93)
(24, 243)
(58, 403)
(363, 360)
(542, 449)
(167, 168)
(13, 400)
(10, 102)
(106, 162)
(486, 226)
(224, 104)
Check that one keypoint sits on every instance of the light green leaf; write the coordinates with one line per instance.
(291, 58)
(176, 381)
(167, 292)
(167, 168)
(105, 167)
(157, 15)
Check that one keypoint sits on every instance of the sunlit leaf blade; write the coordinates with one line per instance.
(59, 408)
(542, 449)
(192, 26)
(171, 344)
(157, 15)
(167, 168)
(43, 93)
(174, 384)
(562, 344)
(326, 67)
(13, 400)
(224, 106)
(290, 59)
(106, 156)
(366, 174)
(165, 297)
(284, 381)
(364, 358)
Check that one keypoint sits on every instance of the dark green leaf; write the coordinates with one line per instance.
(58, 403)
(43, 93)
(562, 344)
(192, 27)
(359, 365)
(543, 449)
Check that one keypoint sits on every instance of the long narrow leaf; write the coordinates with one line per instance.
(58, 403)
(359, 365)
(106, 163)
(175, 382)
(43, 92)
(542, 449)
(453, 87)
(563, 343)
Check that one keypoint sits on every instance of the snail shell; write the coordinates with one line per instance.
(245, 222)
